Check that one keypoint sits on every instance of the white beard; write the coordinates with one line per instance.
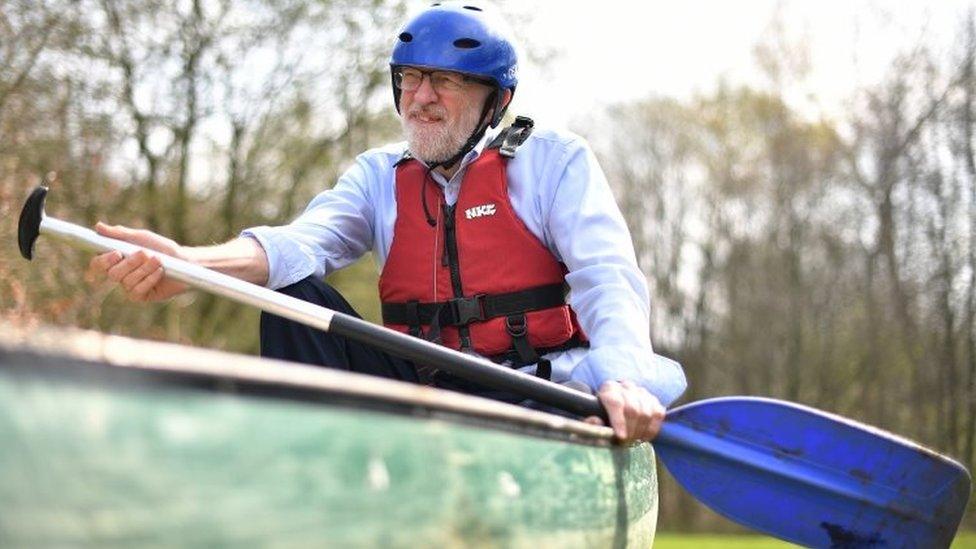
(438, 142)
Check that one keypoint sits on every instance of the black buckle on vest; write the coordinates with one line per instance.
(467, 309)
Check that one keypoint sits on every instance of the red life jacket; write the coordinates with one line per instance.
(473, 271)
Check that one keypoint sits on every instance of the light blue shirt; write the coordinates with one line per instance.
(560, 192)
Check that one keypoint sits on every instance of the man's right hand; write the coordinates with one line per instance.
(141, 274)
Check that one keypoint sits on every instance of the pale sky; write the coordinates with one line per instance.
(620, 50)
(610, 51)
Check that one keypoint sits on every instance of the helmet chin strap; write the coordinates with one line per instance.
(479, 132)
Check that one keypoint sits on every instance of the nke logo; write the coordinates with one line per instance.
(479, 211)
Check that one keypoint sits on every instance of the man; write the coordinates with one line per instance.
(477, 233)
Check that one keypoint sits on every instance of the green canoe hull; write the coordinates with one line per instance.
(93, 455)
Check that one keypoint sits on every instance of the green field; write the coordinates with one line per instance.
(669, 540)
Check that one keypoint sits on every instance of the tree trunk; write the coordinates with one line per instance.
(233, 179)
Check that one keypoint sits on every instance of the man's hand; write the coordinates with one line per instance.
(141, 274)
(635, 414)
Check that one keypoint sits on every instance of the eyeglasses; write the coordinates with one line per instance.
(409, 79)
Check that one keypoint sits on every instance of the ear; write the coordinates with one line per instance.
(506, 98)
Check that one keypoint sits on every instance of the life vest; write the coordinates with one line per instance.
(472, 276)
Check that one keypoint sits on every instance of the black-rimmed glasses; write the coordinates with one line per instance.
(409, 79)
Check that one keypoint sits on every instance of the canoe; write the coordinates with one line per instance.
(109, 441)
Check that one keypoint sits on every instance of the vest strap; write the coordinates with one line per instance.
(405, 157)
(412, 308)
(512, 355)
(543, 369)
(462, 311)
(518, 329)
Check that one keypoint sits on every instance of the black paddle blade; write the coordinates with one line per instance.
(813, 478)
(29, 225)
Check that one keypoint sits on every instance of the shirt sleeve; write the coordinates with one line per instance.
(608, 291)
(334, 230)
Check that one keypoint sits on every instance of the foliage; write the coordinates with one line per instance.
(825, 261)
(194, 119)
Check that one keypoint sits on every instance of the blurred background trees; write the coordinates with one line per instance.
(195, 119)
(824, 260)
(828, 260)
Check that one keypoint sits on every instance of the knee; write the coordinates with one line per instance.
(309, 289)
(316, 291)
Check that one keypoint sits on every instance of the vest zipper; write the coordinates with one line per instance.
(450, 244)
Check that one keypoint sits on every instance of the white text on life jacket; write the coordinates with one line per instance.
(479, 211)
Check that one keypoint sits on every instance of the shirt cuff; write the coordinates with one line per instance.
(662, 377)
(287, 263)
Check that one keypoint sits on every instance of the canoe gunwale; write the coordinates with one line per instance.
(93, 357)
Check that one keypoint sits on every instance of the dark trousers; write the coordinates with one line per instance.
(288, 340)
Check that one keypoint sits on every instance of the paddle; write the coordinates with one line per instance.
(790, 471)
(810, 477)
(33, 221)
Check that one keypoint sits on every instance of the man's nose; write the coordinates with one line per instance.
(425, 93)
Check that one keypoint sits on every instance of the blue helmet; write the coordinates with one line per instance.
(459, 37)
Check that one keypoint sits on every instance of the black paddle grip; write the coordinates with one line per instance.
(29, 226)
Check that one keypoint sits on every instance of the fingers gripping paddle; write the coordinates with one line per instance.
(810, 477)
(787, 470)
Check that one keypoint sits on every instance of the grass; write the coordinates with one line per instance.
(670, 540)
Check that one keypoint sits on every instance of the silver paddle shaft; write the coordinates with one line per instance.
(234, 288)
(475, 369)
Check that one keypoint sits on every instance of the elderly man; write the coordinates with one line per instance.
(478, 233)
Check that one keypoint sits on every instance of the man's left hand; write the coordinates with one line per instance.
(635, 414)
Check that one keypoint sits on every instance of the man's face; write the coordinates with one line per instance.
(441, 113)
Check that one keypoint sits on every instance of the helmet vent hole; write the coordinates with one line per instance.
(466, 43)
(406, 37)
(473, 8)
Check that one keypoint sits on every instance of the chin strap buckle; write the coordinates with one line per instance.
(515, 135)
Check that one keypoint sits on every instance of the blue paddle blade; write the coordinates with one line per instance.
(810, 477)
